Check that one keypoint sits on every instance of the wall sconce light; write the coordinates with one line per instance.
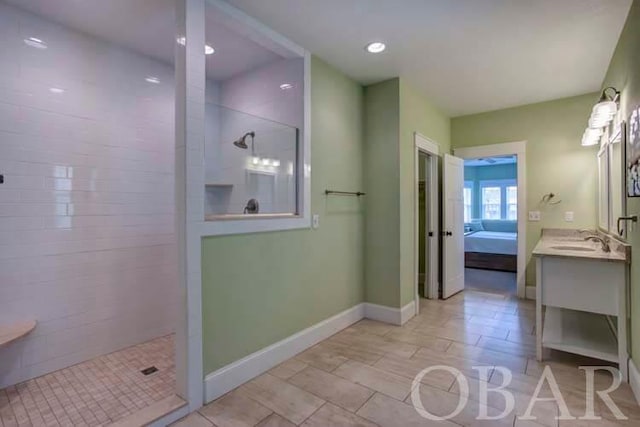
(607, 107)
(591, 137)
(601, 115)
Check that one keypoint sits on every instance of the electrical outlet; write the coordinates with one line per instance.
(534, 215)
(568, 216)
(316, 221)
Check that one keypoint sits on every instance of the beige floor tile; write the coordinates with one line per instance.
(376, 379)
(516, 349)
(372, 356)
(388, 412)
(353, 352)
(374, 343)
(332, 388)
(486, 331)
(288, 369)
(466, 367)
(488, 357)
(371, 327)
(235, 410)
(283, 398)
(526, 326)
(331, 415)
(193, 420)
(545, 413)
(522, 336)
(321, 357)
(103, 390)
(420, 340)
(410, 368)
(525, 423)
(275, 420)
(444, 404)
(451, 333)
(497, 306)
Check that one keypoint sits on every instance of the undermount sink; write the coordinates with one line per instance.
(573, 248)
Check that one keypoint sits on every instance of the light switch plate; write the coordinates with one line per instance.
(316, 221)
(568, 216)
(534, 215)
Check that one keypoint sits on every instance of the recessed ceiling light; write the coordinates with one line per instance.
(35, 42)
(376, 47)
(286, 86)
(152, 79)
(56, 90)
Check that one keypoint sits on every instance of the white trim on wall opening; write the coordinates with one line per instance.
(432, 150)
(190, 179)
(519, 149)
(266, 37)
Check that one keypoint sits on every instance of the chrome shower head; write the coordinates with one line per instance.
(242, 142)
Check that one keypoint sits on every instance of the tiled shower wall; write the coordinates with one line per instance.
(86, 210)
(254, 101)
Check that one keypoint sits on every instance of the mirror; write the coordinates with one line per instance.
(611, 180)
(603, 188)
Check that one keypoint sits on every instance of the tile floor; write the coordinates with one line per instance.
(93, 393)
(362, 376)
(490, 281)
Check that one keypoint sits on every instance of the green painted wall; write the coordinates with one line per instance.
(556, 162)
(394, 111)
(258, 289)
(476, 174)
(382, 127)
(624, 74)
(417, 114)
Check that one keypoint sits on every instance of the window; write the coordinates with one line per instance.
(491, 200)
(468, 200)
(499, 199)
(512, 202)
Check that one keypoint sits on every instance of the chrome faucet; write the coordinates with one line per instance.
(604, 241)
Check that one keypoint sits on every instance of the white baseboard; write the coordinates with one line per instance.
(407, 312)
(395, 316)
(237, 373)
(530, 292)
(634, 379)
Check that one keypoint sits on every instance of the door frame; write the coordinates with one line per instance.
(519, 149)
(431, 149)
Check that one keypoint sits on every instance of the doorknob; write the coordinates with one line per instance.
(448, 233)
(430, 234)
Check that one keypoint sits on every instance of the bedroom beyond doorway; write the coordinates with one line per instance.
(491, 223)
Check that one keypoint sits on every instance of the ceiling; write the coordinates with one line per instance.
(147, 27)
(491, 161)
(466, 56)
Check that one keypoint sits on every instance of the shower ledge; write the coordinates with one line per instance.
(10, 333)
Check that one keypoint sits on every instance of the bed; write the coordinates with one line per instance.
(490, 249)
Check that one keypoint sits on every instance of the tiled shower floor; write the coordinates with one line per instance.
(96, 392)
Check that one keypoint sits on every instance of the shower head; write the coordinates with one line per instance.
(242, 142)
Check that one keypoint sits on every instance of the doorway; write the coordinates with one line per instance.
(427, 219)
(494, 193)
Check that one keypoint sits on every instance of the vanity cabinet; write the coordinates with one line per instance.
(581, 301)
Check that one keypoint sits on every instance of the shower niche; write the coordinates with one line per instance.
(254, 123)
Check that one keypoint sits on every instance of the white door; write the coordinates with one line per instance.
(453, 226)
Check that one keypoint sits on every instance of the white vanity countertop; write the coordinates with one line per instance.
(552, 241)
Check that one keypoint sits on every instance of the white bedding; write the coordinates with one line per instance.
(492, 242)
